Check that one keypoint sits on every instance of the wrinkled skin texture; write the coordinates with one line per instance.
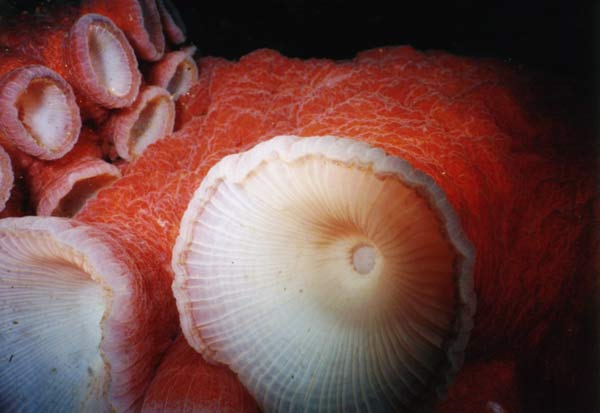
(503, 156)
(185, 382)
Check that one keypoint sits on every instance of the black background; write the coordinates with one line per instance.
(551, 36)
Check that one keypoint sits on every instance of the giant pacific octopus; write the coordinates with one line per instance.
(379, 234)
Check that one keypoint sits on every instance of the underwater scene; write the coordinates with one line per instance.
(290, 206)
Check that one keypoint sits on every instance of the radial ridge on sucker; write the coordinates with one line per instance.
(177, 72)
(7, 178)
(38, 112)
(74, 326)
(328, 275)
(150, 118)
(139, 20)
(104, 62)
(88, 50)
(61, 188)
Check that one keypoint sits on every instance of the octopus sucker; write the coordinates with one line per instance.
(61, 188)
(88, 50)
(7, 178)
(140, 21)
(75, 320)
(38, 111)
(322, 255)
(172, 23)
(104, 62)
(176, 71)
(150, 118)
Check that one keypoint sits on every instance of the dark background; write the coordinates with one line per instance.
(554, 36)
(550, 35)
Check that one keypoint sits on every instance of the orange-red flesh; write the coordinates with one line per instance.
(186, 383)
(131, 130)
(473, 153)
(476, 127)
(484, 387)
(62, 187)
(81, 192)
(83, 49)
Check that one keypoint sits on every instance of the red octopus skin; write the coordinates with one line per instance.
(484, 387)
(61, 187)
(479, 128)
(185, 382)
(59, 39)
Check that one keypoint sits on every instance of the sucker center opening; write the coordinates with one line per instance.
(364, 258)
